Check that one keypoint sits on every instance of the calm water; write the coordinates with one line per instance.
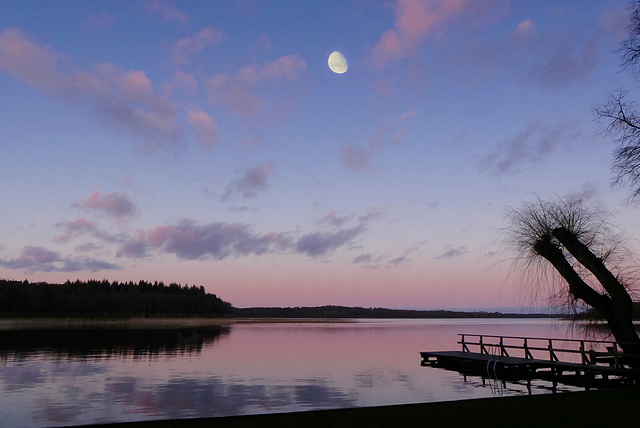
(72, 377)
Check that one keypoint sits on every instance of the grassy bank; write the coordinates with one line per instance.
(584, 409)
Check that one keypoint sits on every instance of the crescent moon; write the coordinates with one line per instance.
(338, 63)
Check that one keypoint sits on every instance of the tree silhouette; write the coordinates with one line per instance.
(623, 117)
(104, 298)
(575, 240)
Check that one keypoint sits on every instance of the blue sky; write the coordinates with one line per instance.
(209, 143)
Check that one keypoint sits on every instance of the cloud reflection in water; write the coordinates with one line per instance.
(243, 369)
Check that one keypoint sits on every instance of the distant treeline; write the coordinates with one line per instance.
(357, 312)
(104, 298)
(592, 315)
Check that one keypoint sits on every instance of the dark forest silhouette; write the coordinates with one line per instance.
(104, 298)
(95, 298)
(336, 312)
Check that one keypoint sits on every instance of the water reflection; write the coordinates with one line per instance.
(187, 398)
(107, 342)
(67, 377)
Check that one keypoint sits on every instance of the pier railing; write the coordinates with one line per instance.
(571, 350)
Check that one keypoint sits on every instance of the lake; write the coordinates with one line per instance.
(60, 377)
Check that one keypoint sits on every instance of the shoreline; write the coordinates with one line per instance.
(589, 408)
(26, 323)
(150, 323)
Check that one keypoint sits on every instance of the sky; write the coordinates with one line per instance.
(208, 142)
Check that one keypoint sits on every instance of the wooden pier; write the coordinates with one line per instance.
(582, 363)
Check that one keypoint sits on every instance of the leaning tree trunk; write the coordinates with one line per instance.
(619, 313)
(615, 306)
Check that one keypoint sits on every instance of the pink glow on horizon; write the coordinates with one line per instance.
(246, 285)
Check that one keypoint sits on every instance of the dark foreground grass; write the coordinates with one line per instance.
(606, 408)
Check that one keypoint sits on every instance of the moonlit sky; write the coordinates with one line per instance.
(208, 143)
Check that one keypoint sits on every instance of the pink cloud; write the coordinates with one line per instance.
(205, 128)
(236, 91)
(73, 229)
(321, 243)
(190, 240)
(185, 49)
(524, 28)
(40, 255)
(453, 252)
(334, 219)
(532, 146)
(252, 180)
(165, 9)
(415, 20)
(159, 235)
(586, 192)
(373, 261)
(553, 58)
(615, 21)
(76, 228)
(136, 86)
(117, 204)
(418, 20)
(185, 81)
(122, 98)
(134, 248)
(38, 259)
(34, 64)
(569, 64)
(341, 231)
(236, 94)
(285, 67)
(357, 158)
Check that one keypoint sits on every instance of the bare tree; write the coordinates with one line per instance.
(630, 47)
(622, 115)
(624, 124)
(567, 245)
